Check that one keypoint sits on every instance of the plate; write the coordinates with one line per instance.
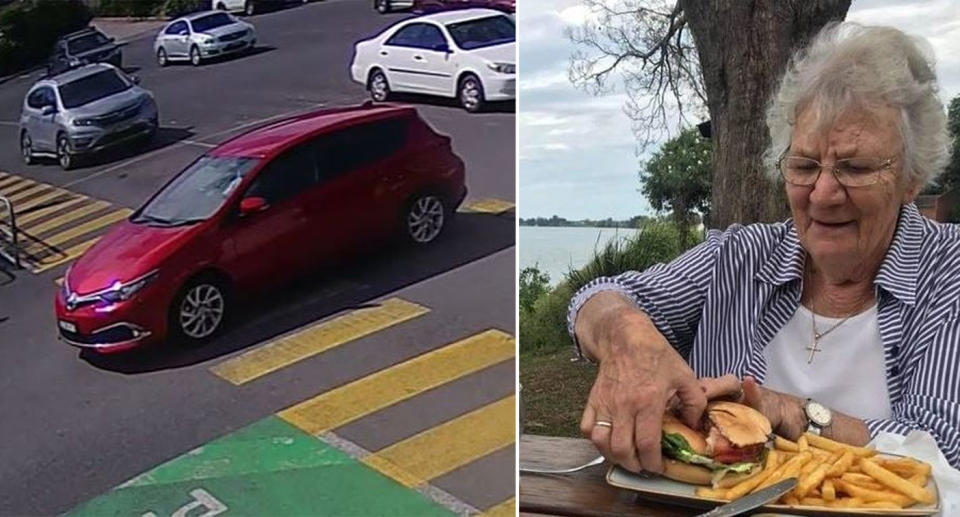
(668, 491)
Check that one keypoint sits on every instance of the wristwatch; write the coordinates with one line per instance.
(819, 417)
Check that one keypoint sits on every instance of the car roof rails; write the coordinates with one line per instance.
(85, 30)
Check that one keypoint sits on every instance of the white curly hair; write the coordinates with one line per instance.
(851, 66)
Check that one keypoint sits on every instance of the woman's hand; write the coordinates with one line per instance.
(639, 372)
(784, 411)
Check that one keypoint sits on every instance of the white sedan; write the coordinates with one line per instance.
(468, 54)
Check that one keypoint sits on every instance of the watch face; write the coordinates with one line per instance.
(819, 414)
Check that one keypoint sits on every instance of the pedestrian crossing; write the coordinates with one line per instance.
(420, 457)
(316, 339)
(441, 449)
(487, 206)
(54, 225)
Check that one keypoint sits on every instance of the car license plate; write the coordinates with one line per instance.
(69, 327)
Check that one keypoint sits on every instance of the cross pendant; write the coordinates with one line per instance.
(813, 350)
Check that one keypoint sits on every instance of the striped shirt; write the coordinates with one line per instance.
(721, 302)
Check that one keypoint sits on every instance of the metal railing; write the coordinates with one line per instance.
(13, 254)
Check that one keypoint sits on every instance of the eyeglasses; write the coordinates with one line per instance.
(850, 172)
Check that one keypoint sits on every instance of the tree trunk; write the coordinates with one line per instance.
(744, 46)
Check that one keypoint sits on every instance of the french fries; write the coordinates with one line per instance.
(841, 465)
(828, 491)
(782, 444)
(710, 493)
(896, 482)
(811, 480)
(869, 495)
(835, 475)
(744, 487)
(830, 445)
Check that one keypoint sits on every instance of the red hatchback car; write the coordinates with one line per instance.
(254, 212)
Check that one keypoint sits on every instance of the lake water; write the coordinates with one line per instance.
(555, 250)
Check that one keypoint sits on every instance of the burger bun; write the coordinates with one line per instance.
(697, 475)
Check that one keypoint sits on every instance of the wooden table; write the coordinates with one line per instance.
(583, 493)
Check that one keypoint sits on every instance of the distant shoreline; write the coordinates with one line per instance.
(622, 226)
(559, 222)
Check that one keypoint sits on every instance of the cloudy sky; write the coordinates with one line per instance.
(577, 153)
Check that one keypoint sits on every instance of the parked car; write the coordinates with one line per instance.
(203, 35)
(251, 7)
(83, 47)
(252, 214)
(83, 111)
(386, 6)
(432, 6)
(466, 54)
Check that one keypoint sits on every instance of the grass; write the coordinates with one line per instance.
(555, 389)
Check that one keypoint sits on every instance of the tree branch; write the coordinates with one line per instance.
(647, 46)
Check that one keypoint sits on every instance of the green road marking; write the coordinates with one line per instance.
(268, 468)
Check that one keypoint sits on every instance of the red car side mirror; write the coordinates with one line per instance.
(251, 205)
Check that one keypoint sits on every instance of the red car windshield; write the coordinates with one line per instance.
(196, 193)
(483, 32)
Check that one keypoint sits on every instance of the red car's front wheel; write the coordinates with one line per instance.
(199, 311)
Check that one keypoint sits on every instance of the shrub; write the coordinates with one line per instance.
(544, 328)
(656, 242)
(29, 29)
(175, 8)
(533, 285)
(134, 8)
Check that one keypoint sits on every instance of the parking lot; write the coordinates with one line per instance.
(397, 365)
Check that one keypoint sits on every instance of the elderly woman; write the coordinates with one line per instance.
(843, 320)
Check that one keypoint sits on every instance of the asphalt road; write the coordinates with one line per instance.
(74, 426)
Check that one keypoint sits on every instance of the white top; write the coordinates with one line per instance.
(846, 375)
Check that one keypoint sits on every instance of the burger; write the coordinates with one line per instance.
(728, 447)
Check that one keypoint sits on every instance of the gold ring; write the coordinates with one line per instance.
(603, 423)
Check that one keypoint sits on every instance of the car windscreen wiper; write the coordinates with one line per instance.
(147, 219)
(186, 222)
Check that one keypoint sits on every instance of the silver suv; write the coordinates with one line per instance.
(203, 35)
(83, 111)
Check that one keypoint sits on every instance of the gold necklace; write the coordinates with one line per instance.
(817, 336)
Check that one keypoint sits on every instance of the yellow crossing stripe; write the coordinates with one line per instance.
(60, 220)
(34, 215)
(11, 184)
(487, 206)
(507, 508)
(34, 201)
(64, 256)
(27, 192)
(316, 339)
(448, 446)
(364, 396)
(88, 227)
